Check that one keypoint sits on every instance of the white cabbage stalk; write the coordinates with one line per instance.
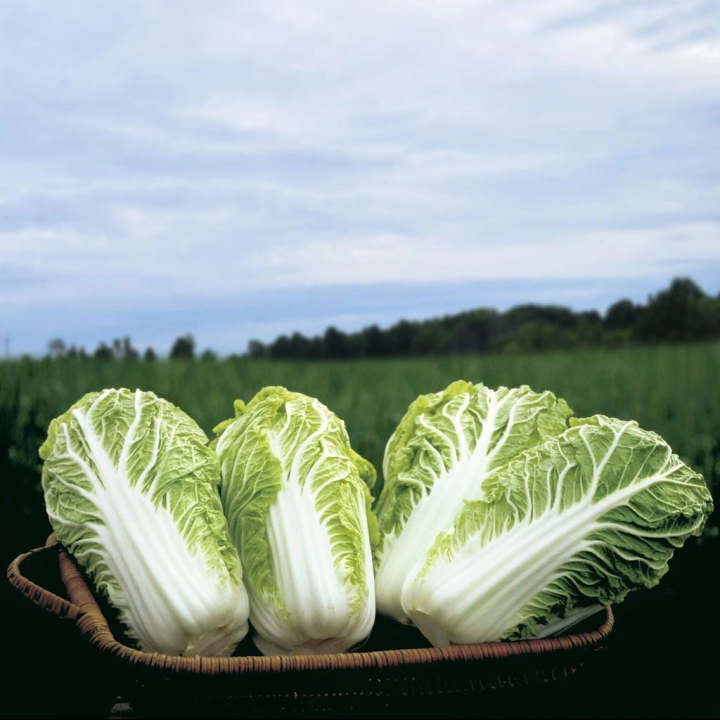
(438, 459)
(576, 522)
(298, 506)
(131, 490)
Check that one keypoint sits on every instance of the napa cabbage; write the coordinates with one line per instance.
(297, 500)
(439, 457)
(503, 517)
(131, 489)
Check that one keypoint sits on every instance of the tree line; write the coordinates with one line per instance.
(683, 312)
(183, 348)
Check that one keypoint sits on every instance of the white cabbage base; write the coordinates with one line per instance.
(319, 616)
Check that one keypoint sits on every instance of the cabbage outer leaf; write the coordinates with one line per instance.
(439, 457)
(576, 522)
(131, 490)
(299, 510)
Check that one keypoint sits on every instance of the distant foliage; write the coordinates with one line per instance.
(183, 348)
(119, 349)
(57, 349)
(681, 313)
(123, 349)
(103, 352)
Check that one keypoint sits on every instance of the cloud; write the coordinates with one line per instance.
(663, 25)
(164, 154)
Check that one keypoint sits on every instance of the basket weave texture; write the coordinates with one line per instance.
(362, 681)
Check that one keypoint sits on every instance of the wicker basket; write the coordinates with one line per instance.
(377, 679)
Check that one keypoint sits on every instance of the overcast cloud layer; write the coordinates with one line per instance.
(239, 170)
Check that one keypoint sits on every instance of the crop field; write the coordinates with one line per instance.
(670, 389)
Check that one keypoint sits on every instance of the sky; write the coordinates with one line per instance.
(238, 170)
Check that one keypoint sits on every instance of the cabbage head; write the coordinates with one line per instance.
(439, 457)
(131, 490)
(524, 519)
(298, 503)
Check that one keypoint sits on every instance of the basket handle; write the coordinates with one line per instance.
(39, 595)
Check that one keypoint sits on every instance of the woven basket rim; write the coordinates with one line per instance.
(85, 611)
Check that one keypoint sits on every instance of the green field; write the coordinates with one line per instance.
(671, 389)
